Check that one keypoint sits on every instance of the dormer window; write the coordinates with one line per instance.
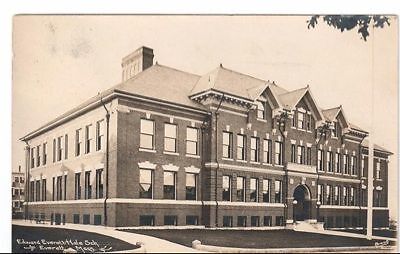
(300, 120)
(335, 130)
(260, 110)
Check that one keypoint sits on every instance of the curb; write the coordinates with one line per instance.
(196, 244)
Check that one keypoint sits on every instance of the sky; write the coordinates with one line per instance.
(60, 61)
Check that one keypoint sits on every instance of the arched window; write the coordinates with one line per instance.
(260, 110)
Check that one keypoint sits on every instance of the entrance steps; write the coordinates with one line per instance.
(308, 226)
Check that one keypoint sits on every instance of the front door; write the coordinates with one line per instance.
(301, 204)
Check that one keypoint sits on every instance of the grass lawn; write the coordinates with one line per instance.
(253, 239)
(380, 232)
(55, 240)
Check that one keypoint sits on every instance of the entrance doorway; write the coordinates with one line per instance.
(301, 203)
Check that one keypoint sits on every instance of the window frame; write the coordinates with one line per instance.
(145, 133)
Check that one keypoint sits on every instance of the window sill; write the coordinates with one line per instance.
(242, 161)
(261, 120)
(192, 156)
(171, 153)
(267, 164)
(255, 162)
(380, 180)
(147, 150)
(227, 159)
(278, 165)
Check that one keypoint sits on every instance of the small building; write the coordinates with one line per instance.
(18, 193)
(222, 149)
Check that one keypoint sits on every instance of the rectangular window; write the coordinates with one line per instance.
(346, 163)
(260, 110)
(334, 130)
(88, 138)
(146, 220)
(352, 199)
(320, 164)
(59, 188)
(266, 190)
(300, 120)
(76, 219)
(99, 183)
(170, 220)
(278, 153)
(147, 134)
(192, 137)
(97, 219)
(226, 188)
(267, 155)
(65, 187)
(37, 190)
(278, 191)
(241, 221)
(88, 186)
(53, 189)
(353, 165)
(54, 150)
(328, 195)
(336, 196)
(279, 221)
(78, 142)
(66, 146)
(301, 154)
(267, 221)
(146, 183)
(170, 137)
(253, 190)
(320, 193)
(77, 186)
(345, 196)
(192, 220)
(241, 147)
(255, 221)
(38, 156)
(338, 163)
(293, 153)
(191, 186)
(227, 221)
(329, 161)
(308, 155)
(226, 144)
(32, 157)
(99, 134)
(308, 122)
(363, 167)
(255, 149)
(44, 154)
(44, 190)
(169, 185)
(240, 189)
(60, 148)
(86, 219)
(378, 170)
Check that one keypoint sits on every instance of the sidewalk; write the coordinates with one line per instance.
(152, 244)
(341, 233)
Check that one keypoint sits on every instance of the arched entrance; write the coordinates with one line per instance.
(301, 203)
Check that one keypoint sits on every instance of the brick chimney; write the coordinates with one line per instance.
(137, 61)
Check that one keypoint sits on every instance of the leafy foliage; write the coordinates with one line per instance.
(347, 22)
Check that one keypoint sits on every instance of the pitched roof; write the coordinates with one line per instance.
(330, 114)
(355, 127)
(290, 99)
(231, 82)
(162, 83)
(365, 143)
